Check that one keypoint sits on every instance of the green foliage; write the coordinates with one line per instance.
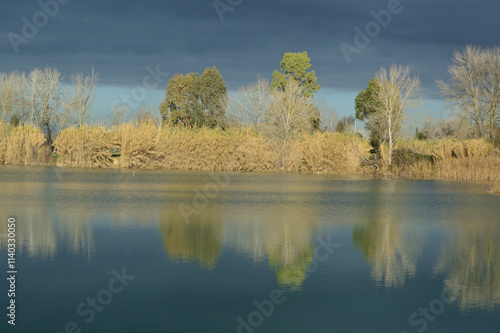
(212, 91)
(420, 135)
(14, 120)
(296, 66)
(293, 272)
(340, 127)
(367, 102)
(345, 124)
(366, 105)
(192, 100)
(315, 118)
(405, 157)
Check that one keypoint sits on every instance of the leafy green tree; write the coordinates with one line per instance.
(194, 100)
(366, 105)
(212, 92)
(175, 106)
(296, 66)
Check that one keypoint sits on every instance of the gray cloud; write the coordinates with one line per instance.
(121, 38)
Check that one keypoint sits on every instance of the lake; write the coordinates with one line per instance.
(111, 250)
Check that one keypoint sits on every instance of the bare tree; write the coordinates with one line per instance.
(443, 128)
(146, 115)
(21, 110)
(288, 115)
(328, 115)
(118, 116)
(397, 93)
(44, 96)
(82, 95)
(474, 90)
(252, 102)
(10, 85)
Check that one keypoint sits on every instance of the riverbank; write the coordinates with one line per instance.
(148, 146)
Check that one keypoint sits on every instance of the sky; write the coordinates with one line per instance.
(136, 46)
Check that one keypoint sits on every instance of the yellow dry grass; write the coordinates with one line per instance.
(217, 150)
(86, 146)
(453, 159)
(332, 153)
(144, 145)
(23, 145)
(467, 160)
(140, 145)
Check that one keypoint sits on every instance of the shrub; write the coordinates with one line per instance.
(22, 145)
(84, 146)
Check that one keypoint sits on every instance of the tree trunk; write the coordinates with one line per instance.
(390, 143)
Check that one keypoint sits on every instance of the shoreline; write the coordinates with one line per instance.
(495, 189)
(146, 146)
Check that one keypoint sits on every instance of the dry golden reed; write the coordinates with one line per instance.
(332, 153)
(22, 145)
(85, 146)
(145, 145)
(215, 149)
(450, 159)
(140, 145)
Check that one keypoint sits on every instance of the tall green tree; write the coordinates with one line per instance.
(366, 105)
(212, 93)
(193, 100)
(296, 66)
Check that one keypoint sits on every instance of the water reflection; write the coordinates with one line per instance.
(199, 240)
(471, 262)
(40, 232)
(272, 224)
(389, 252)
(276, 230)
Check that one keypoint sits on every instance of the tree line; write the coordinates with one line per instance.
(41, 100)
(472, 94)
(280, 109)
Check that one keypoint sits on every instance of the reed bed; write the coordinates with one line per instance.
(331, 153)
(217, 150)
(23, 145)
(145, 145)
(140, 145)
(86, 146)
(449, 159)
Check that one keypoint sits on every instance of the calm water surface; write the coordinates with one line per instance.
(164, 251)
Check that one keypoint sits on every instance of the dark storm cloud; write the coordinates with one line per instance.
(121, 38)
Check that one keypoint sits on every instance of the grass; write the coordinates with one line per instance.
(22, 145)
(144, 145)
(84, 146)
(449, 159)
